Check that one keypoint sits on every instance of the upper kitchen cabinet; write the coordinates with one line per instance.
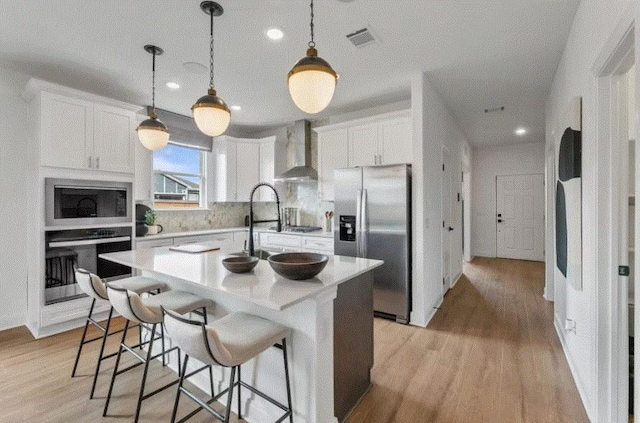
(331, 145)
(377, 140)
(83, 131)
(239, 164)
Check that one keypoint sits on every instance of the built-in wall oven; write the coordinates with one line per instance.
(67, 249)
(74, 202)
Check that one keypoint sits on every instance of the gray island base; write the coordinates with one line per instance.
(330, 316)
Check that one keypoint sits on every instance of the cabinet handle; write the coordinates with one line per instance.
(97, 162)
(90, 162)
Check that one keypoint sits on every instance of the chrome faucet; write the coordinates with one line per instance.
(252, 251)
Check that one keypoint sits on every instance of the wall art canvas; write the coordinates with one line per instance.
(569, 195)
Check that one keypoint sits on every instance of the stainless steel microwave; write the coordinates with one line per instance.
(76, 202)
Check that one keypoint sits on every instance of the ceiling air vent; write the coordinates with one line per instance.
(361, 37)
(494, 110)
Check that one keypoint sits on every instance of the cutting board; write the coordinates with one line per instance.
(195, 248)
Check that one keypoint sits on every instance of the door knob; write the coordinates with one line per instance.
(499, 220)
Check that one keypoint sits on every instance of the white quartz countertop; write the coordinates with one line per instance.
(262, 286)
(166, 235)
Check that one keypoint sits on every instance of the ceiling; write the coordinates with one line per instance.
(480, 54)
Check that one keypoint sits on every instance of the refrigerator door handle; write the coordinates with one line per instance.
(358, 224)
(364, 225)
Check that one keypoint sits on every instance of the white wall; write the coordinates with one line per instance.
(520, 159)
(13, 270)
(594, 24)
(433, 128)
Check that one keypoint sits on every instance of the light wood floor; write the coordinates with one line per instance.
(490, 354)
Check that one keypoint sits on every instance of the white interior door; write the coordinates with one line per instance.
(446, 220)
(520, 217)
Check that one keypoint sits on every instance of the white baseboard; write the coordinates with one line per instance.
(572, 367)
(13, 321)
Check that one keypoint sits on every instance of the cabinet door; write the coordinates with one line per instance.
(248, 169)
(363, 145)
(143, 173)
(223, 171)
(396, 141)
(67, 131)
(153, 243)
(113, 139)
(267, 169)
(331, 156)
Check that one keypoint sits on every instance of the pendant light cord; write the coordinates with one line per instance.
(211, 52)
(312, 43)
(153, 82)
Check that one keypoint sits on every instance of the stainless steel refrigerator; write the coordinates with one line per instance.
(373, 220)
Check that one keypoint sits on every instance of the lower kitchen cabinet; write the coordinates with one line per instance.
(288, 242)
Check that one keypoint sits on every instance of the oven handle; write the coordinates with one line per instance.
(88, 242)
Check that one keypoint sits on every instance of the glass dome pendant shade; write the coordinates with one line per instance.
(210, 112)
(152, 133)
(312, 81)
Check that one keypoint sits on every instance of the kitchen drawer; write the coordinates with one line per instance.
(315, 244)
(279, 240)
(212, 238)
(152, 243)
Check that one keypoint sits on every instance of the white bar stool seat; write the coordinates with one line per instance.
(148, 310)
(95, 288)
(229, 342)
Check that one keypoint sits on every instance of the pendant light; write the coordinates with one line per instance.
(152, 133)
(312, 81)
(211, 113)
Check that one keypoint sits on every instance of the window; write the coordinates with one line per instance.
(179, 178)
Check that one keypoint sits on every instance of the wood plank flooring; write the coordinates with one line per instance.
(490, 354)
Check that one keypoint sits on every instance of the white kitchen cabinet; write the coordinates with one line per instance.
(223, 240)
(395, 141)
(239, 164)
(331, 156)
(376, 140)
(113, 138)
(153, 243)
(81, 134)
(66, 131)
(280, 240)
(314, 244)
(143, 180)
(363, 145)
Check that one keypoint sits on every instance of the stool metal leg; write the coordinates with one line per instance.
(164, 358)
(286, 376)
(239, 394)
(227, 413)
(84, 335)
(177, 401)
(146, 370)
(104, 342)
(115, 368)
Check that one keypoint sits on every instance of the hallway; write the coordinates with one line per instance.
(490, 354)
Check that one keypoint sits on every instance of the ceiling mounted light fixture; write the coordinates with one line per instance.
(275, 34)
(312, 81)
(521, 131)
(152, 133)
(211, 113)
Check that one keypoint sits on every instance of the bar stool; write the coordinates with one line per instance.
(95, 288)
(148, 311)
(228, 342)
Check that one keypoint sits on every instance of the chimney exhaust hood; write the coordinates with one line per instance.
(302, 170)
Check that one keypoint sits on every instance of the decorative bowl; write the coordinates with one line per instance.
(298, 266)
(240, 264)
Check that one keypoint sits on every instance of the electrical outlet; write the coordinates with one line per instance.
(569, 325)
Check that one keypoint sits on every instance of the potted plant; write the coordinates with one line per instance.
(150, 220)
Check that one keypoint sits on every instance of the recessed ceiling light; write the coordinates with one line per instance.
(521, 131)
(195, 67)
(236, 108)
(275, 34)
(173, 85)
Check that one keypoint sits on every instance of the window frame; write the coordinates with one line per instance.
(203, 203)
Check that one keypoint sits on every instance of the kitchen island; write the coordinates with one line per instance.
(330, 316)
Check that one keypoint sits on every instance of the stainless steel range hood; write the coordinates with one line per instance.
(302, 170)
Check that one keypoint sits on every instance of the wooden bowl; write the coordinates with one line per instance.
(298, 266)
(240, 264)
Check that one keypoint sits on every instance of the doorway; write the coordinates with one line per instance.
(520, 217)
(447, 219)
